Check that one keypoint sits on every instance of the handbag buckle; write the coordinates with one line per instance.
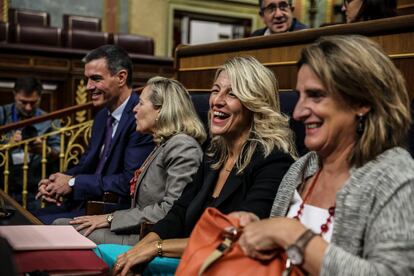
(231, 233)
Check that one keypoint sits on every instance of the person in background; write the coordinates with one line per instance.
(115, 149)
(251, 149)
(363, 10)
(27, 96)
(166, 112)
(278, 17)
(345, 208)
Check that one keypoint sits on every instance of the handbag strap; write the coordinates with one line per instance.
(230, 234)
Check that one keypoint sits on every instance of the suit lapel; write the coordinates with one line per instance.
(147, 164)
(100, 134)
(209, 183)
(232, 183)
(125, 118)
(199, 201)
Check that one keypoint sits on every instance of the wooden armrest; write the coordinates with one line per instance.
(96, 207)
(145, 229)
(110, 197)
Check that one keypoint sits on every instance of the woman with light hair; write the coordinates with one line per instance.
(251, 149)
(165, 110)
(345, 208)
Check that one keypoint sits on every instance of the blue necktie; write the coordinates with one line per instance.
(107, 144)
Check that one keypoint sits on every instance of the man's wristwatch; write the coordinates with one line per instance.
(295, 252)
(71, 182)
(109, 218)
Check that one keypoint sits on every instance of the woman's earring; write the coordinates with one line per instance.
(361, 124)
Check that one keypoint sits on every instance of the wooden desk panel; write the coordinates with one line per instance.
(55, 262)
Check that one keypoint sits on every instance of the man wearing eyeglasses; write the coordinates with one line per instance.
(27, 95)
(277, 15)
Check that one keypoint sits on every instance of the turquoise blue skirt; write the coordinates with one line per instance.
(160, 266)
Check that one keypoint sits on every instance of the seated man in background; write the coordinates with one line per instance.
(278, 17)
(27, 95)
(115, 149)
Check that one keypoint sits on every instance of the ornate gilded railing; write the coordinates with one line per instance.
(74, 138)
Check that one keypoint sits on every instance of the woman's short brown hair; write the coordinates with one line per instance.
(358, 73)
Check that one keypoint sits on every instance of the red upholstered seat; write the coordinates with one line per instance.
(78, 22)
(136, 44)
(29, 17)
(48, 36)
(81, 39)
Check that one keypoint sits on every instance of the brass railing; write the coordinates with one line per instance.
(74, 138)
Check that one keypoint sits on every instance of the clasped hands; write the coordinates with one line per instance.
(53, 188)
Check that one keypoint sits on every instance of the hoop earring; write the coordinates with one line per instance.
(361, 124)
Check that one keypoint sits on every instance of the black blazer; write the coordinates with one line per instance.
(252, 191)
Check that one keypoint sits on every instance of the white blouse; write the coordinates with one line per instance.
(312, 217)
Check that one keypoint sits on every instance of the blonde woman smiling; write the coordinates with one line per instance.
(251, 149)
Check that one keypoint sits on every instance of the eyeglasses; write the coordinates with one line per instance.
(271, 8)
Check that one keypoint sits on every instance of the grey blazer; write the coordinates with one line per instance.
(373, 232)
(162, 181)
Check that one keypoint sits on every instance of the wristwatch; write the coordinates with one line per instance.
(295, 252)
(109, 218)
(71, 182)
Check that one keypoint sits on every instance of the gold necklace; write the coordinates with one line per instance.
(231, 167)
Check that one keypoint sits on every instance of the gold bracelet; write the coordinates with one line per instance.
(159, 248)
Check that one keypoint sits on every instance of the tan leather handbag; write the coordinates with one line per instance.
(213, 249)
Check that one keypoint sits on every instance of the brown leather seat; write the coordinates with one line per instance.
(78, 22)
(48, 36)
(29, 17)
(81, 39)
(4, 31)
(135, 44)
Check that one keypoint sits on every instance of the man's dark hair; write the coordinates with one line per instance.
(28, 85)
(116, 59)
(377, 9)
(260, 4)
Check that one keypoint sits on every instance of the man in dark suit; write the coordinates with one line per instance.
(115, 150)
(278, 17)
